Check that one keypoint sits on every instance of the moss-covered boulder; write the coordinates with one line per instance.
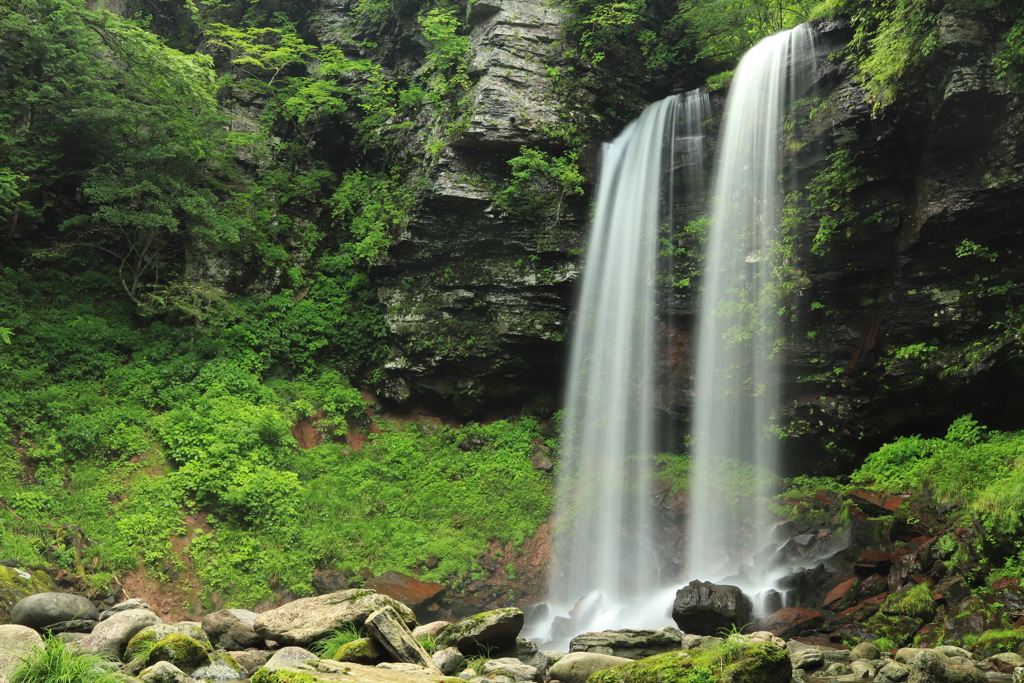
(495, 629)
(737, 660)
(360, 651)
(184, 652)
(897, 628)
(137, 652)
(996, 641)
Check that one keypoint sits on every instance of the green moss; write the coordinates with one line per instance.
(186, 653)
(360, 651)
(735, 659)
(916, 602)
(895, 628)
(995, 641)
(264, 676)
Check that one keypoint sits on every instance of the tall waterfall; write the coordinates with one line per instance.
(739, 339)
(605, 554)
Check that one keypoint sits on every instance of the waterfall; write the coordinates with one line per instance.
(740, 334)
(605, 552)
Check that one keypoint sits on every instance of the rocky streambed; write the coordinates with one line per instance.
(389, 646)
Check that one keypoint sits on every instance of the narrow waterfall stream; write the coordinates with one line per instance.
(605, 552)
(740, 334)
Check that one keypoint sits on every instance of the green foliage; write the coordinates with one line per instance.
(891, 38)
(540, 184)
(372, 207)
(973, 472)
(59, 662)
(1009, 59)
(328, 646)
(830, 195)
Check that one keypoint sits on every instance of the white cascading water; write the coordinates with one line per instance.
(605, 553)
(740, 333)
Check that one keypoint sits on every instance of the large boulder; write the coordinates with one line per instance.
(111, 636)
(577, 667)
(629, 643)
(17, 583)
(16, 642)
(188, 654)
(394, 635)
(232, 629)
(495, 629)
(306, 620)
(706, 608)
(43, 609)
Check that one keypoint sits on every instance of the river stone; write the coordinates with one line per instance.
(291, 658)
(1004, 662)
(806, 659)
(511, 667)
(16, 642)
(577, 667)
(864, 650)
(928, 667)
(250, 660)
(111, 636)
(527, 652)
(73, 626)
(629, 643)
(497, 628)
(41, 609)
(165, 672)
(306, 620)
(706, 608)
(134, 603)
(232, 629)
(1018, 675)
(449, 660)
(953, 651)
(892, 672)
(217, 671)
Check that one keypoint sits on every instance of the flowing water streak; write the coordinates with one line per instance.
(604, 545)
(737, 382)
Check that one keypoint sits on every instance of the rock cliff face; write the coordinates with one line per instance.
(905, 313)
(909, 314)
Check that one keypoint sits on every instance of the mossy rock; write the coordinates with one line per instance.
(359, 651)
(916, 602)
(186, 653)
(899, 629)
(734, 661)
(16, 584)
(996, 641)
(265, 676)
